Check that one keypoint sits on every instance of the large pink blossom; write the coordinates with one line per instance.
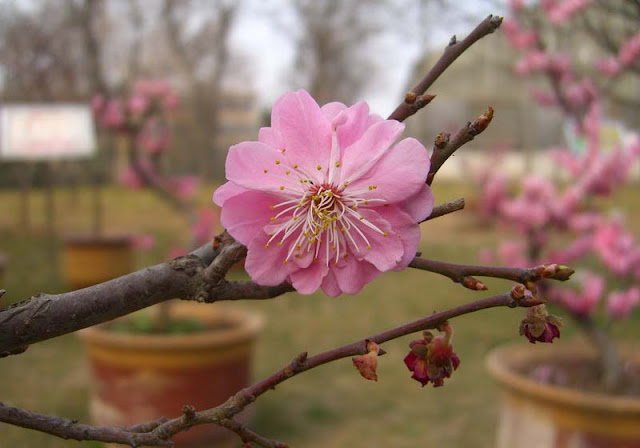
(324, 198)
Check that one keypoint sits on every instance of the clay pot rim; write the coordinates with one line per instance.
(246, 326)
(501, 361)
(97, 241)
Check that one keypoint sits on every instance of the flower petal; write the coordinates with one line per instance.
(354, 124)
(226, 191)
(307, 281)
(245, 215)
(330, 285)
(358, 158)
(304, 130)
(420, 205)
(266, 266)
(353, 275)
(399, 174)
(257, 166)
(269, 137)
(407, 229)
(386, 251)
(331, 110)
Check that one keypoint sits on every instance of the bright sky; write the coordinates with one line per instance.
(271, 50)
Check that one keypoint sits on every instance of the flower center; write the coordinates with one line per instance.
(321, 217)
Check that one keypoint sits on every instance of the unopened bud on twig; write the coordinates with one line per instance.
(482, 122)
(473, 284)
(410, 97)
(442, 139)
(518, 291)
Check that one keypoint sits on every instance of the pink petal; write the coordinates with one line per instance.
(353, 275)
(269, 137)
(247, 163)
(330, 285)
(358, 158)
(420, 205)
(307, 281)
(226, 191)
(399, 174)
(354, 125)
(245, 215)
(407, 229)
(304, 130)
(331, 110)
(266, 266)
(386, 251)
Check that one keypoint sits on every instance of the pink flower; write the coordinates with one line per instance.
(630, 50)
(203, 229)
(185, 186)
(323, 199)
(621, 303)
(137, 104)
(608, 66)
(563, 11)
(581, 302)
(112, 116)
(143, 242)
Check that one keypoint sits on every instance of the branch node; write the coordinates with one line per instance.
(188, 413)
(410, 97)
(453, 40)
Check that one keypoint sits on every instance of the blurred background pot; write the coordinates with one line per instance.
(534, 414)
(89, 260)
(141, 377)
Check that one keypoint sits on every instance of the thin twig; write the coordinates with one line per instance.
(446, 208)
(451, 53)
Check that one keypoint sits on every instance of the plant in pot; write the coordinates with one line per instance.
(153, 362)
(588, 394)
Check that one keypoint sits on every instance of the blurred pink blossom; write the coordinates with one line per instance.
(563, 11)
(608, 66)
(621, 303)
(205, 226)
(630, 50)
(137, 104)
(584, 301)
(185, 186)
(143, 242)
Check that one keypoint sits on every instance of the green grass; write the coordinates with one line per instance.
(327, 407)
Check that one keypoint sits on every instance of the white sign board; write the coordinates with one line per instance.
(46, 131)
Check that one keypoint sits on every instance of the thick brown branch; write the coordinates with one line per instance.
(463, 274)
(451, 53)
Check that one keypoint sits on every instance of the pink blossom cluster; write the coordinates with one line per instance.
(628, 55)
(560, 12)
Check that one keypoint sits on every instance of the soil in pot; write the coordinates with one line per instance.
(139, 377)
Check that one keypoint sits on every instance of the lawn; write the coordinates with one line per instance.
(328, 407)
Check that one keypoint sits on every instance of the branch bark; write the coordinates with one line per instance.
(451, 53)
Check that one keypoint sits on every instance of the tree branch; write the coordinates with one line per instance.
(446, 208)
(159, 432)
(463, 274)
(451, 53)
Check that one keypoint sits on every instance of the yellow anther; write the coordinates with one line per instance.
(355, 206)
(284, 150)
(281, 187)
(285, 262)
(346, 184)
(287, 172)
(271, 207)
(337, 164)
(343, 229)
(273, 218)
(265, 171)
(385, 234)
(295, 218)
(279, 243)
(315, 260)
(370, 187)
(375, 186)
(306, 234)
(318, 167)
(366, 202)
(298, 247)
(295, 166)
(312, 240)
(266, 246)
(277, 162)
(361, 218)
(369, 247)
(333, 247)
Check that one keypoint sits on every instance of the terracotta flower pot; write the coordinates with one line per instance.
(141, 377)
(535, 414)
(90, 260)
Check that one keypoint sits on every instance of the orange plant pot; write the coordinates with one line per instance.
(535, 414)
(141, 377)
(89, 260)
